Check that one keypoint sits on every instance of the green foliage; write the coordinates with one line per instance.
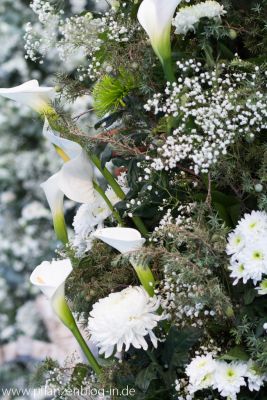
(109, 92)
(95, 276)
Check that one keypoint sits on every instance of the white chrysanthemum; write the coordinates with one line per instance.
(247, 245)
(186, 19)
(236, 242)
(228, 378)
(254, 259)
(201, 372)
(238, 271)
(253, 224)
(255, 380)
(123, 319)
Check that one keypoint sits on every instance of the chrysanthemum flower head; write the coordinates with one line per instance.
(201, 372)
(247, 245)
(229, 378)
(123, 319)
(253, 224)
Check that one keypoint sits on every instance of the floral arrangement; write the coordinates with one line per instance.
(160, 275)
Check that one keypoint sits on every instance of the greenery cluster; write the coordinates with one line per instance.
(181, 256)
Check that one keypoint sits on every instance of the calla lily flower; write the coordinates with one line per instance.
(155, 16)
(31, 94)
(126, 240)
(74, 180)
(122, 239)
(50, 279)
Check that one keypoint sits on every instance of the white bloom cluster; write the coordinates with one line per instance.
(182, 302)
(187, 17)
(41, 37)
(247, 247)
(110, 24)
(210, 115)
(228, 378)
(123, 319)
(183, 218)
(78, 35)
(72, 39)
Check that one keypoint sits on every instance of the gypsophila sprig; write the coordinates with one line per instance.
(211, 111)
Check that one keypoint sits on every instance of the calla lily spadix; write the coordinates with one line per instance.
(31, 94)
(50, 279)
(74, 180)
(128, 240)
(155, 16)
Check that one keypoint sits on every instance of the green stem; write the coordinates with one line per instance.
(110, 205)
(146, 278)
(61, 308)
(168, 70)
(90, 357)
(117, 189)
(60, 228)
(144, 273)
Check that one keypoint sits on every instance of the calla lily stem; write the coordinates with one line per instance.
(168, 70)
(87, 352)
(144, 273)
(119, 192)
(110, 205)
(63, 311)
(146, 278)
(60, 228)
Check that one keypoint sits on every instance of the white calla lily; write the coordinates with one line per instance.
(74, 180)
(126, 240)
(155, 16)
(122, 239)
(50, 279)
(31, 94)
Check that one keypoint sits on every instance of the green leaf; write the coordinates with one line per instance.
(106, 155)
(178, 344)
(145, 376)
(249, 296)
(236, 353)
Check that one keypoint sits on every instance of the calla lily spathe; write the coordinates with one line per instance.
(50, 279)
(31, 94)
(74, 180)
(155, 16)
(122, 239)
(126, 240)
